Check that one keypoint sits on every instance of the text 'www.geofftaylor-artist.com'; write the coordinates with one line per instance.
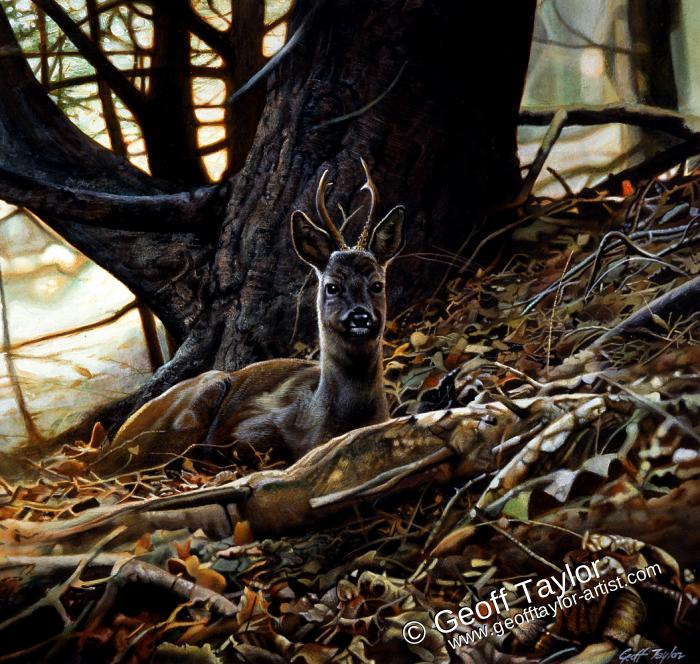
(542, 598)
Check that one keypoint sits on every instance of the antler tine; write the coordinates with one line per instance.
(371, 187)
(323, 211)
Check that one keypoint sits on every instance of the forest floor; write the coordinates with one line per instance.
(608, 439)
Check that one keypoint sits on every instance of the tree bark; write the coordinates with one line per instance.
(168, 125)
(242, 117)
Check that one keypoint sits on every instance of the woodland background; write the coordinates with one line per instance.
(542, 368)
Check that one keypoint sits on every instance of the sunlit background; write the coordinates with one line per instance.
(76, 335)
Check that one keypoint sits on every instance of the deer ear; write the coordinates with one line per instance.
(388, 237)
(312, 244)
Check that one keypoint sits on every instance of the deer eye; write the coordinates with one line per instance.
(377, 287)
(332, 289)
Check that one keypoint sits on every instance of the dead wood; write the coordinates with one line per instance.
(639, 115)
(364, 463)
(140, 572)
(683, 300)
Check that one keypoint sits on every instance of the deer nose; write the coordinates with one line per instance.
(359, 318)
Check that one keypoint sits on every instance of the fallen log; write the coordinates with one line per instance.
(365, 463)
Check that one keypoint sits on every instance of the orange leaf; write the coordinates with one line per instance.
(453, 542)
(98, 436)
(209, 578)
(183, 549)
(143, 544)
(192, 566)
(243, 533)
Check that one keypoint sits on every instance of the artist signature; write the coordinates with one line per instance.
(653, 654)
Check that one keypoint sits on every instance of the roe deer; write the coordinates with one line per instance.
(288, 403)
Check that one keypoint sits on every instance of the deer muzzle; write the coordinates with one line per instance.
(361, 323)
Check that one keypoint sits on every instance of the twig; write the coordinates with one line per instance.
(53, 595)
(77, 330)
(560, 179)
(525, 548)
(33, 434)
(629, 259)
(601, 251)
(554, 130)
(651, 167)
(273, 62)
(559, 206)
(366, 107)
(557, 299)
(582, 265)
(450, 504)
(46, 565)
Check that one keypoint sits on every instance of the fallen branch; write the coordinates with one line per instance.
(382, 458)
(649, 168)
(680, 301)
(370, 462)
(639, 115)
(139, 571)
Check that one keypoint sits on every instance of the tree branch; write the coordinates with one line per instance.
(639, 115)
(273, 62)
(651, 167)
(212, 37)
(46, 160)
(550, 138)
(187, 211)
(94, 55)
(680, 301)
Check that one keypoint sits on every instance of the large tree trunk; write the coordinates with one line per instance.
(428, 93)
(442, 141)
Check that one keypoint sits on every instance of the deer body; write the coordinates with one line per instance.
(287, 403)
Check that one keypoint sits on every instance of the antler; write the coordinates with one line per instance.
(323, 211)
(371, 187)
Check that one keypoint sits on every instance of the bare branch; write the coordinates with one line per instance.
(554, 130)
(187, 211)
(639, 115)
(94, 55)
(682, 300)
(272, 63)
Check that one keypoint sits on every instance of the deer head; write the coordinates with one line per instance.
(351, 301)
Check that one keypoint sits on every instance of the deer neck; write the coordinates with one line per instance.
(351, 387)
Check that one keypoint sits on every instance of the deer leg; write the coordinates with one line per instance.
(164, 428)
